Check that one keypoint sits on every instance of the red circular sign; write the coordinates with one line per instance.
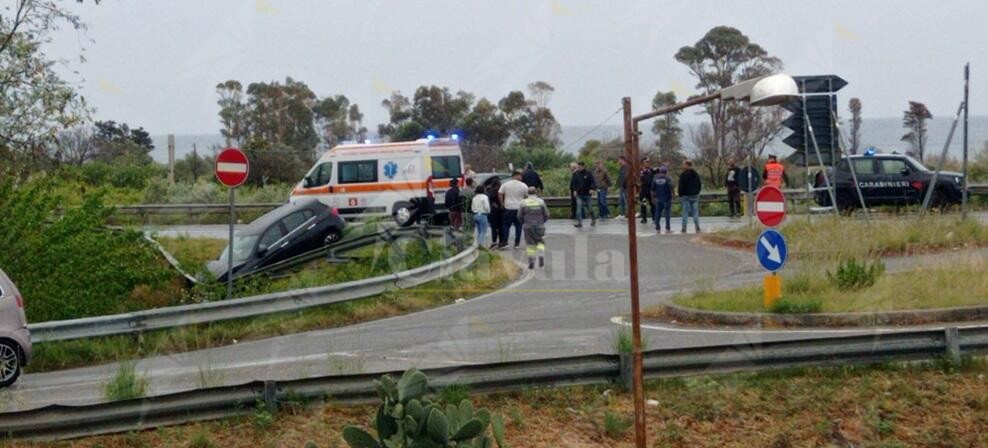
(232, 167)
(770, 206)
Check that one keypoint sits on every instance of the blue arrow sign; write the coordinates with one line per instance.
(771, 249)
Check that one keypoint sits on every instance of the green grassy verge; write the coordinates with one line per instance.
(832, 238)
(488, 273)
(876, 406)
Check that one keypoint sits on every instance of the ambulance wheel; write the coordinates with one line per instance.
(404, 214)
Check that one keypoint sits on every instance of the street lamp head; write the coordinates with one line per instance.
(773, 90)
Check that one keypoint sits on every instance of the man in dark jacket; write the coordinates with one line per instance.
(689, 194)
(645, 189)
(454, 204)
(662, 198)
(497, 213)
(531, 177)
(582, 184)
(733, 189)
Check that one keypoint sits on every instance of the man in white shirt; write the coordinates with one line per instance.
(512, 193)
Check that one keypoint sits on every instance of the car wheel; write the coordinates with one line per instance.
(10, 363)
(404, 214)
(334, 236)
(939, 201)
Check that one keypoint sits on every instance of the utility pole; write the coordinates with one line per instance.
(967, 82)
(171, 159)
(195, 164)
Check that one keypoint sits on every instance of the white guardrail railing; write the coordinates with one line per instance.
(177, 316)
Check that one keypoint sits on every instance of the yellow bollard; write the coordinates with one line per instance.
(773, 290)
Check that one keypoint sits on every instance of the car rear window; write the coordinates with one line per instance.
(864, 166)
(893, 166)
(293, 220)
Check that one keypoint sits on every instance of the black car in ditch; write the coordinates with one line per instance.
(887, 179)
(303, 225)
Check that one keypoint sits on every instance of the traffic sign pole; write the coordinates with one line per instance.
(232, 169)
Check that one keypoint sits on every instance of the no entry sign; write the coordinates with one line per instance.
(232, 167)
(770, 206)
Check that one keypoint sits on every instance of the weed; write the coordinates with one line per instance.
(853, 276)
(622, 340)
(201, 440)
(616, 425)
(125, 384)
(208, 377)
(517, 418)
(263, 418)
(454, 393)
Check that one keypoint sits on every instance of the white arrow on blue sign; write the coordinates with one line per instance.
(771, 249)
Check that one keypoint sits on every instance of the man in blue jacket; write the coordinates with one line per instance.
(662, 198)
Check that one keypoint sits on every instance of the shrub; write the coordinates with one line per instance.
(853, 276)
(406, 418)
(542, 158)
(73, 266)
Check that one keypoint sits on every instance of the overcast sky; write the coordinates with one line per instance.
(156, 64)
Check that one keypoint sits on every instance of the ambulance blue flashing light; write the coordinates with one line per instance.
(455, 137)
(870, 151)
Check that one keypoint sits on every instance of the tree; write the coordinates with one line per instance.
(282, 113)
(35, 102)
(722, 58)
(74, 146)
(668, 133)
(118, 141)
(914, 119)
(233, 112)
(855, 107)
(545, 128)
(333, 119)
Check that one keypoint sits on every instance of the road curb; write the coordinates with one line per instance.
(819, 320)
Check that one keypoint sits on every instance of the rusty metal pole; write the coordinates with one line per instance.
(632, 153)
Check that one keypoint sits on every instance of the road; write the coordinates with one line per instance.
(568, 308)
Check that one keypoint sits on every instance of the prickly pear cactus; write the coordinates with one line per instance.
(407, 419)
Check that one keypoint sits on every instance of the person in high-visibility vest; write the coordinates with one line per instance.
(774, 173)
(533, 215)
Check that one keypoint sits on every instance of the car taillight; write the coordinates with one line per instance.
(20, 301)
(335, 211)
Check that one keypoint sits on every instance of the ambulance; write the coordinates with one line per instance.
(403, 180)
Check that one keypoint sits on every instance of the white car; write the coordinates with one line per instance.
(15, 339)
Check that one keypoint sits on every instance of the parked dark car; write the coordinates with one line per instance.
(888, 179)
(303, 225)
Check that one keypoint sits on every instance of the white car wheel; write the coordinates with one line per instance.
(10, 363)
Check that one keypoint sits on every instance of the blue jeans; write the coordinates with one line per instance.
(623, 201)
(662, 209)
(605, 212)
(583, 203)
(691, 207)
(480, 221)
(509, 219)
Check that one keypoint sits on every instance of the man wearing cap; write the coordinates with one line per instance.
(533, 215)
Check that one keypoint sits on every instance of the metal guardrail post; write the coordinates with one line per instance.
(953, 345)
(270, 396)
(625, 363)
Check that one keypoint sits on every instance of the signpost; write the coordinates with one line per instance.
(771, 249)
(232, 168)
(770, 206)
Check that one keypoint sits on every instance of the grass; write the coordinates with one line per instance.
(488, 273)
(883, 405)
(193, 253)
(808, 289)
(126, 384)
(832, 238)
(623, 342)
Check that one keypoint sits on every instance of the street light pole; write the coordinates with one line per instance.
(763, 91)
(633, 154)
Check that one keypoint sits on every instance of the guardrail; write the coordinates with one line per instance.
(177, 316)
(60, 422)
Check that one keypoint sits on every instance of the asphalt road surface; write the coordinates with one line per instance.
(572, 306)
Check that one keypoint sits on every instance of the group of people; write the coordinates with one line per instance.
(501, 206)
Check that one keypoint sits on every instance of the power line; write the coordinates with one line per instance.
(595, 128)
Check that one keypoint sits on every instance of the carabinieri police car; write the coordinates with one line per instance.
(887, 179)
